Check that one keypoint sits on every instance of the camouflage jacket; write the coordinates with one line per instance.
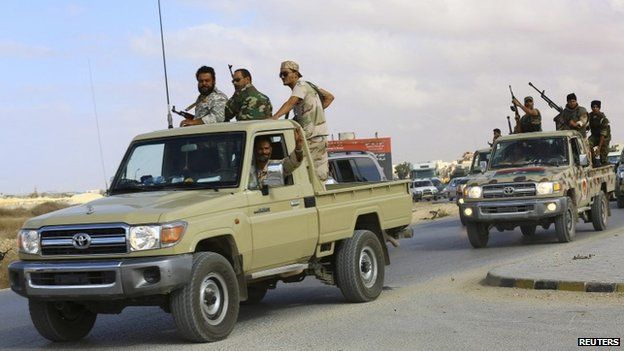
(599, 126)
(248, 104)
(530, 123)
(578, 114)
(211, 108)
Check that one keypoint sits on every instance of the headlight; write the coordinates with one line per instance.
(29, 241)
(144, 237)
(546, 188)
(474, 192)
(148, 237)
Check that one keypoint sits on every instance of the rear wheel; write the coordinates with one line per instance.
(360, 267)
(565, 223)
(478, 234)
(528, 230)
(206, 309)
(61, 321)
(599, 212)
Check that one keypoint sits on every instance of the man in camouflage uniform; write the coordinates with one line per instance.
(600, 132)
(210, 104)
(263, 151)
(574, 116)
(247, 103)
(308, 102)
(532, 119)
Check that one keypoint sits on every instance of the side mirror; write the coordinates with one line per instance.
(584, 160)
(483, 166)
(274, 177)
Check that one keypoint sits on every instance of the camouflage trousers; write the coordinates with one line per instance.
(318, 151)
(603, 152)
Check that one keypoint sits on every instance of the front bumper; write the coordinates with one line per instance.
(516, 210)
(100, 280)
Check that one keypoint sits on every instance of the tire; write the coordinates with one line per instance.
(528, 230)
(255, 294)
(462, 218)
(600, 212)
(70, 323)
(478, 234)
(360, 267)
(206, 308)
(620, 201)
(565, 223)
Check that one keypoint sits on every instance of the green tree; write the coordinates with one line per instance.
(403, 170)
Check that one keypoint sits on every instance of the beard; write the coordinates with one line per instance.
(262, 158)
(205, 90)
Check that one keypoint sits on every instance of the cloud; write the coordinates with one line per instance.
(434, 75)
(15, 50)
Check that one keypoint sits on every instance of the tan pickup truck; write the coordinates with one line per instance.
(184, 227)
(537, 179)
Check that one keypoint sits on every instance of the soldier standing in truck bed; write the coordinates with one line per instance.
(532, 119)
(600, 132)
(247, 103)
(574, 116)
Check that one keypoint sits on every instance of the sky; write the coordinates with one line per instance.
(431, 74)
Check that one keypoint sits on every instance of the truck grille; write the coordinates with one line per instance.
(494, 191)
(507, 209)
(83, 240)
(73, 278)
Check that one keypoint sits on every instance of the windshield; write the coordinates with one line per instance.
(614, 159)
(476, 161)
(423, 173)
(188, 162)
(422, 183)
(520, 153)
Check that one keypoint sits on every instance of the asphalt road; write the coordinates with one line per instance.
(433, 299)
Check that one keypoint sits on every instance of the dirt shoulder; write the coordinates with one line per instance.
(426, 211)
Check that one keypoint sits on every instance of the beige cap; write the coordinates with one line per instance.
(292, 65)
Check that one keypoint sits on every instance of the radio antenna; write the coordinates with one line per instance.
(162, 43)
(97, 124)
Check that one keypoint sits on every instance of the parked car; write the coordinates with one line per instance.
(354, 167)
(423, 189)
(451, 189)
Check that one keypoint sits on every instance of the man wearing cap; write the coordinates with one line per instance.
(532, 119)
(247, 103)
(574, 116)
(210, 104)
(600, 132)
(308, 102)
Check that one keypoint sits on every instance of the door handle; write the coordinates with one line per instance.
(294, 203)
(262, 210)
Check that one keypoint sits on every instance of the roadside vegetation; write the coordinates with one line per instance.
(11, 221)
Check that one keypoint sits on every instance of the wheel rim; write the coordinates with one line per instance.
(569, 221)
(213, 298)
(368, 267)
(603, 208)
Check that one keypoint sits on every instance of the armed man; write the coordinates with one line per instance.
(600, 132)
(309, 103)
(496, 134)
(574, 117)
(247, 103)
(210, 104)
(531, 121)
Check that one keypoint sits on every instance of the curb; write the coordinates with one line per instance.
(493, 279)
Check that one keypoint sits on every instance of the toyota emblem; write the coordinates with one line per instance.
(81, 241)
(508, 190)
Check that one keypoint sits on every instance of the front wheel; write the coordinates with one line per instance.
(565, 223)
(61, 321)
(600, 211)
(478, 234)
(360, 267)
(206, 308)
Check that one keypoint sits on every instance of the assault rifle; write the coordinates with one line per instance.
(183, 113)
(560, 123)
(515, 110)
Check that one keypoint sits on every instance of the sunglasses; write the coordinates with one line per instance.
(236, 80)
(284, 74)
